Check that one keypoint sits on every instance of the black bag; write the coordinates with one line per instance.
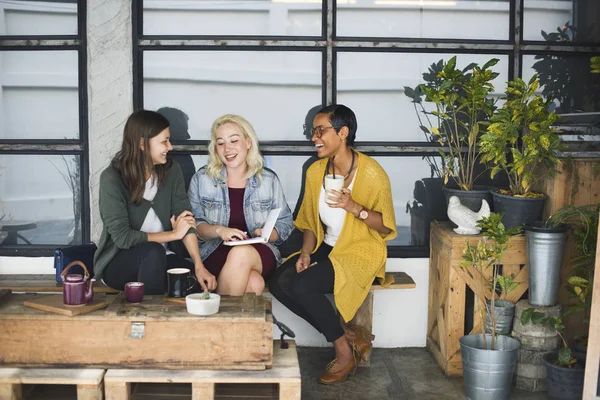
(65, 255)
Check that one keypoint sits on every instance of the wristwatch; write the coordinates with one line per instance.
(363, 214)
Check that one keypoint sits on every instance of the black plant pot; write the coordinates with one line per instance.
(518, 210)
(470, 198)
(564, 383)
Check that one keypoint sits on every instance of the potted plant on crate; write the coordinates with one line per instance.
(487, 355)
(564, 370)
(519, 139)
(462, 110)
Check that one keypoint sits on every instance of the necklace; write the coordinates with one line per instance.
(351, 165)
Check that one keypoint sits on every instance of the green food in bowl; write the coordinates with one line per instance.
(205, 296)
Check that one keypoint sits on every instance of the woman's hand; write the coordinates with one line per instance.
(182, 224)
(342, 199)
(207, 281)
(228, 234)
(303, 262)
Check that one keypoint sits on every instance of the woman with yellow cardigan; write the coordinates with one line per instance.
(344, 244)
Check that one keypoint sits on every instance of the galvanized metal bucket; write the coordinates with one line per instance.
(488, 373)
(545, 247)
(504, 312)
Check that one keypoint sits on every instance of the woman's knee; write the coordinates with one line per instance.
(154, 256)
(242, 257)
(256, 283)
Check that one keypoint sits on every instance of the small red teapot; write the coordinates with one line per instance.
(77, 288)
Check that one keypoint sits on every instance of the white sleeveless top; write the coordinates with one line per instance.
(151, 223)
(332, 218)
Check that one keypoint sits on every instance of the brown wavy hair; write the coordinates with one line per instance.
(131, 161)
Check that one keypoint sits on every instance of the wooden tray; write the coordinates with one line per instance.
(54, 303)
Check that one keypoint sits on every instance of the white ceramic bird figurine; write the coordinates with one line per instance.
(465, 218)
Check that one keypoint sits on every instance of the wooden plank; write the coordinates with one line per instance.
(48, 376)
(285, 372)
(117, 390)
(54, 303)
(90, 392)
(593, 352)
(11, 391)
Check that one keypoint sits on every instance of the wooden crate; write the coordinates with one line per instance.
(285, 372)
(448, 283)
(152, 334)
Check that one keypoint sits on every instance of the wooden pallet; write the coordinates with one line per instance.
(448, 283)
(88, 381)
(285, 372)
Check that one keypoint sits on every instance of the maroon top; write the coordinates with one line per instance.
(215, 262)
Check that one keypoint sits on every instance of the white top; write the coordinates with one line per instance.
(151, 223)
(332, 218)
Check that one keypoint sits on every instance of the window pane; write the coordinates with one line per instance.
(38, 17)
(38, 95)
(40, 199)
(233, 17)
(271, 89)
(567, 80)
(437, 19)
(577, 18)
(372, 84)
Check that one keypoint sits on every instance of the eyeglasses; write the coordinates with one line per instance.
(318, 130)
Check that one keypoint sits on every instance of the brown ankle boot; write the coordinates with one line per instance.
(336, 372)
(360, 339)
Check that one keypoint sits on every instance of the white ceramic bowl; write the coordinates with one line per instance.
(196, 305)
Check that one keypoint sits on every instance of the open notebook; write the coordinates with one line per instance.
(266, 231)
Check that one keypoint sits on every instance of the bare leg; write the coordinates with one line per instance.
(256, 283)
(235, 274)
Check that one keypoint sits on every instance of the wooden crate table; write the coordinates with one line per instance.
(152, 334)
(448, 283)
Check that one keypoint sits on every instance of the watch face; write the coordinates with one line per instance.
(364, 214)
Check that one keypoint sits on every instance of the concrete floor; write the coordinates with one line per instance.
(406, 374)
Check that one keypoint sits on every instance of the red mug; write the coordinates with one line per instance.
(134, 291)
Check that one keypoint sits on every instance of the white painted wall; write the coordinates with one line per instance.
(399, 315)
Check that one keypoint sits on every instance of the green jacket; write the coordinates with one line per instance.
(122, 221)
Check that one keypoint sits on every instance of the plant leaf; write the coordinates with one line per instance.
(526, 315)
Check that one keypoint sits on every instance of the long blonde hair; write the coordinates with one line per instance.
(254, 160)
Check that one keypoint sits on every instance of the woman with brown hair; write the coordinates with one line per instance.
(144, 208)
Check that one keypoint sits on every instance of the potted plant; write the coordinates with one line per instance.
(488, 360)
(504, 309)
(564, 371)
(519, 139)
(545, 247)
(462, 109)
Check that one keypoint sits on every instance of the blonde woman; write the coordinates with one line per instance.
(231, 198)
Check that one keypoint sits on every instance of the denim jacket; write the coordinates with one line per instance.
(209, 198)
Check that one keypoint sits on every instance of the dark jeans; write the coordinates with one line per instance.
(304, 293)
(148, 263)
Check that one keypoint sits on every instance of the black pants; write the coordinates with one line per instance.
(148, 263)
(304, 293)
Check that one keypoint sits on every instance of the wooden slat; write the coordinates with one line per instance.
(593, 351)
(51, 376)
(47, 284)
(285, 369)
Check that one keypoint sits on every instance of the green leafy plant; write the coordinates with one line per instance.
(487, 253)
(554, 324)
(462, 110)
(506, 284)
(520, 137)
(595, 61)
(583, 222)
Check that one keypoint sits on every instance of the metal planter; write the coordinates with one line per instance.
(504, 312)
(488, 373)
(545, 247)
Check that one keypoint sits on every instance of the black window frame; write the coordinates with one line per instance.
(73, 147)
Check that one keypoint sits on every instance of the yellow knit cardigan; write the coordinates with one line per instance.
(360, 253)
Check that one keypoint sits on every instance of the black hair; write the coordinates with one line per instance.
(339, 115)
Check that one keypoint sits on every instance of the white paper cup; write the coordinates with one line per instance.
(333, 184)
